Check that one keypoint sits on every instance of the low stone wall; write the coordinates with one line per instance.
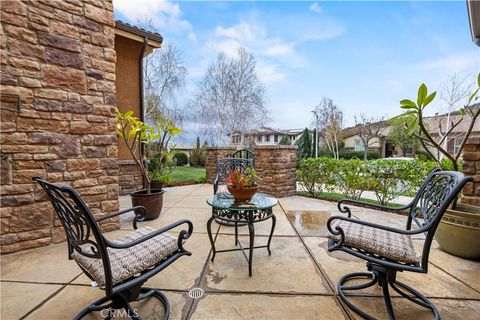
(129, 177)
(275, 166)
(471, 167)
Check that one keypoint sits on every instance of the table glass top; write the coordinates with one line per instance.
(224, 200)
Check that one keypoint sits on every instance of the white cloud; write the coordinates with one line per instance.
(314, 7)
(192, 37)
(164, 14)
(453, 63)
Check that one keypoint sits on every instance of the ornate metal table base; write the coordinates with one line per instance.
(245, 217)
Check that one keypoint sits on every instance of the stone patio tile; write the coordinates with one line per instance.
(466, 270)
(48, 264)
(250, 306)
(198, 217)
(170, 200)
(310, 223)
(71, 300)
(406, 310)
(198, 202)
(288, 269)
(183, 190)
(203, 190)
(436, 283)
(282, 227)
(19, 298)
(306, 204)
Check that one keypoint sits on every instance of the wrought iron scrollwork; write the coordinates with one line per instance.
(73, 215)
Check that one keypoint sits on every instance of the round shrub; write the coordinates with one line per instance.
(181, 158)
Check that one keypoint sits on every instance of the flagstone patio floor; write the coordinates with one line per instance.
(298, 281)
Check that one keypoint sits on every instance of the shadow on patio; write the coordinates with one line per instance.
(298, 281)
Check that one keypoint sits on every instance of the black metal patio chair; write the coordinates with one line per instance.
(122, 266)
(388, 250)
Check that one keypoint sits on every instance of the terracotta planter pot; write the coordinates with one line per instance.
(152, 202)
(459, 232)
(156, 185)
(244, 194)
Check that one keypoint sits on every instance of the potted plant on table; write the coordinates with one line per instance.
(242, 185)
(137, 136)
(459, 230)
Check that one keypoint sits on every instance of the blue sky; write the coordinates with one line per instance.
(366, 56)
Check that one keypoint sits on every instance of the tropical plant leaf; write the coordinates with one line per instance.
(408, 102)
(422, 94)
(429, 98)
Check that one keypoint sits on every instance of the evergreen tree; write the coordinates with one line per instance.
(285, 141)
(198, 142)
(304, 145)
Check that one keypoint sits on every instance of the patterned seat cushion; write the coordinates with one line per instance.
(128, 262)
(390, 245)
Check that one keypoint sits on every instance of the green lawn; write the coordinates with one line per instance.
(187, 174)
(337, 197)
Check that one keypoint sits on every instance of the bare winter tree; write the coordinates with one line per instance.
(230, 97)
(454, 93)
(369, 128)
(329, 122)
(164, 76)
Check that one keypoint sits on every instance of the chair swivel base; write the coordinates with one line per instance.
(120, 302)
(385, 279)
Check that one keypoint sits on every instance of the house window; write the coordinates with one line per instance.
(456, 144)
(359, 145)
(267, 138)
(259, 138)
(275, 138)
(408, 151)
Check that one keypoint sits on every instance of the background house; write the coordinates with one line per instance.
(436, 124)
(264, 136)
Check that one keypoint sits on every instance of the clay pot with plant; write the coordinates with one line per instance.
(459, 230)
(137, 137)
(242, 185)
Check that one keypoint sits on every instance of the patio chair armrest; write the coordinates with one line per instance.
(183, 235)
(344, 209)
(138, 216)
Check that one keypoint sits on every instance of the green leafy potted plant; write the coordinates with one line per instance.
(138, 135)
(459, 230)
(242, 185)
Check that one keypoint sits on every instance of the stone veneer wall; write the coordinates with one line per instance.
(129, 177)
(211, 156)
(275, 165)
(59, 57)
(471, 167)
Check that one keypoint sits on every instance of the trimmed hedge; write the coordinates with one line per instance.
(181, 158)
(388, 178)
(346, 154)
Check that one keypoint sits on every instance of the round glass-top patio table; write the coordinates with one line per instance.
(225, 201)
(226, 209)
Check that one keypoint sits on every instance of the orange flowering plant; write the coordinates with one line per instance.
(239, 180)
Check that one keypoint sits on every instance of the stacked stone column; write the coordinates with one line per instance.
(471, 167)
